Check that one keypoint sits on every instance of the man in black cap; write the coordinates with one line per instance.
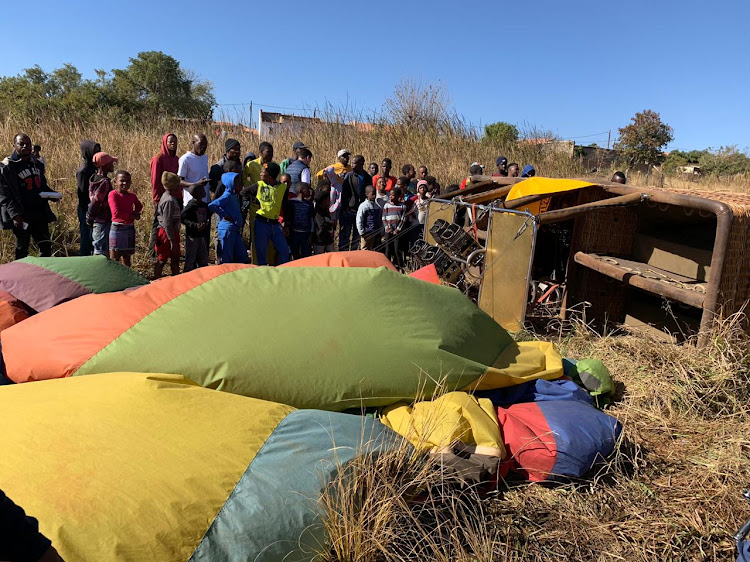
(502, 167)
(232, 153)
(295, 154)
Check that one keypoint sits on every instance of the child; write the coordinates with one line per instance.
(370, 221)
(324, 225)
(286, 179)
(403, 184)
(167, 244)
(196, 218)
(98, 215)
(393, 222)
(302, 222)
(423, 198)
(230, 227)
(126, 209)
(37, 152)
(273, 200)
(382, 197)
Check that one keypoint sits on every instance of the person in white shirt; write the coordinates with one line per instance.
(193, 167)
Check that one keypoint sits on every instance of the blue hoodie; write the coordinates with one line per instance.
(527, 169)
(228, 205)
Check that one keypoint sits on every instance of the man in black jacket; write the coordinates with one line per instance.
(352, 194)
(22, 207)
(232, 153)
(83, 175)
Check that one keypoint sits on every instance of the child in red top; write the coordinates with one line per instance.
(126, 209)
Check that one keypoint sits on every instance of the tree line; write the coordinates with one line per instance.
(152, 84)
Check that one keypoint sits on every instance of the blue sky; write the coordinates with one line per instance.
(575, 68)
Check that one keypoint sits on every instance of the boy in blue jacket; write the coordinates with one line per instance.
(230, 227)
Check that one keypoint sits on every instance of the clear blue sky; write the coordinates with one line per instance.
(575, 68)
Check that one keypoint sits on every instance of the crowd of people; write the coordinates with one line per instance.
(277, 211)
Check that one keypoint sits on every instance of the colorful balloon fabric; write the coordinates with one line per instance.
(42, 283)
(131, 466)
(12, 311)
(301, 336)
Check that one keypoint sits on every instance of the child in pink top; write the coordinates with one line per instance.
(126, 209)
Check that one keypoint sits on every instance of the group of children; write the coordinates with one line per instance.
(292, 223)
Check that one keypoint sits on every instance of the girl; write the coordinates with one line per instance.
(126, 209)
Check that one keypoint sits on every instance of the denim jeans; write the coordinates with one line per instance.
(265, 231)
(299, 243)
(100, 235)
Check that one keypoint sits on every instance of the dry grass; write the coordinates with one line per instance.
(672, 491)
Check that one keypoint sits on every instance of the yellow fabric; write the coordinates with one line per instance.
(338, 168)
(521, 362)
(271, 198)
(127, 466)
(251, 172)
(543, 186)
(453, 417)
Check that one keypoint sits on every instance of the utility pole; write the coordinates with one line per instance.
(251, 114)
(609, 135)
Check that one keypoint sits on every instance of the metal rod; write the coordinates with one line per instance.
(688, 297)
(564, 214)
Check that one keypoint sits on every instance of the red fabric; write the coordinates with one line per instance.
(390, 181)
(463, 183)
(530, 443)
(124, 206)
(163, 162)
(163, 249)
(12, 311)
(427, 273)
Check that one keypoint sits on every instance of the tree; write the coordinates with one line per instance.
(501, 133)
(157, 84)
(642, 140)
(423, 108)
(726, 161)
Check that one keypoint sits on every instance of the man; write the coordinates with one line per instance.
(299, 169)
(341, 167)
(528, 171)
(352, 194)
(232, 153)
(502, 167)
(37, 152)
(423, 173)
(295, 154)
(252, 169)
(513, 170)
(619, 177)
(390, 181)
(193, 167)
(22, 207)
(83, 175)
(407, 170)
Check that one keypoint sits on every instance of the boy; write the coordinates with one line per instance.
(370, 221)
(196, 218)
(286, 179)
(98, 215)
(126, 209)
(167, 244)
(513, 170)
(403, 184)
(272, 199)
(393, 223)
(382, 197)
(37, 154)
(83, 176)
(324, 224)
(302, 222)
(230, 227)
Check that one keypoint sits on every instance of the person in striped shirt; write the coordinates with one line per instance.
(394, 215)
